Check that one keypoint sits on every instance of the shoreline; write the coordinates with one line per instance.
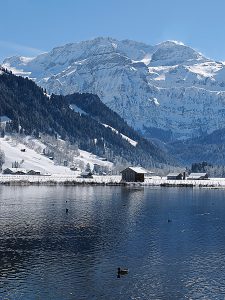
(114, 180)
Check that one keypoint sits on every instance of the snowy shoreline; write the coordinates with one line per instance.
(61, 179)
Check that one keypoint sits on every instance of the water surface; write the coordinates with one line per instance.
(46, 253)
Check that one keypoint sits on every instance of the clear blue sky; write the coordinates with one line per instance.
(28, 27)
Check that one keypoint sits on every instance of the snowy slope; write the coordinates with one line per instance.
(169, 86)
(132, 142)
(31, 159)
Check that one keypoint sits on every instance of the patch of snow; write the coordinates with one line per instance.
(77, 109)
(129, 140)
(18, 72)
(31, 159)
(114, 45)
(92, 159)
(28, 159)
(146, 60)
(26, 60)
(155, 101)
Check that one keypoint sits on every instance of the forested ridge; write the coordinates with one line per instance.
(34, 111)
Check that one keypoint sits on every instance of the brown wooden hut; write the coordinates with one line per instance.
(134, 174)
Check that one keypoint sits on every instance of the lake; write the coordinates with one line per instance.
(49, 253)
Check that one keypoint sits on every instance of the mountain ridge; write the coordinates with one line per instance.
(168, 87)
(32, 111)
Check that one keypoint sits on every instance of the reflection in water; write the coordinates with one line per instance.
(47, 252)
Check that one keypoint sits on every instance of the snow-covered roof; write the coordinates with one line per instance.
(139, 170)
(15, 170)
(174, 174)
(86, 173)
(4, 119)
(197, 174)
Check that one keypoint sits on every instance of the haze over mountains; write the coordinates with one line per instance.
(168, 91)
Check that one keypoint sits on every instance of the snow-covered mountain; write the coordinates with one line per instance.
(166, 88)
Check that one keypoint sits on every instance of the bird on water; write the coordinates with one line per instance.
(122, 271)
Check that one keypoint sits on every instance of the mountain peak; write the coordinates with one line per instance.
(170, 53)
(156, 89)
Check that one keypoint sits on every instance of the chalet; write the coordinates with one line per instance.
(20, 171)
(175, 176)
(73, 168)
(3, 121)
(8, 171)
(33, 172)
(134, 174)
(15, 171)
(86, 175)
(198, 176)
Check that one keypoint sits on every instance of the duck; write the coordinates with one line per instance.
(122, 271)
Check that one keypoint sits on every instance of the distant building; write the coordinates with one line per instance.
(8, 171)
(3, 121)
(33, 172)
(20, 171)
(86, 175)
(175, 176)
(198, 176)
(15, 171)
(73, 168)
(134, 174)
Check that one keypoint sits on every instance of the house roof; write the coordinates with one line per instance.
(197, 174)
(15, 170)
(4, 119)
(174, 174)
(139, 170)
(86, 173)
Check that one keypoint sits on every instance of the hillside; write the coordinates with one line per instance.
(30, 108)
(209, 148)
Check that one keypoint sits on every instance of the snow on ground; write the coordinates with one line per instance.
(209, 183)
(59, 178)
(30, 159)
(132, 142)
(104, 180)
(92, 159)
(208, 69)
(77, 109)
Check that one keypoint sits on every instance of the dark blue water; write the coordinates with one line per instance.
(46, 253)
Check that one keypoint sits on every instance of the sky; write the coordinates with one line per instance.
(30, 27)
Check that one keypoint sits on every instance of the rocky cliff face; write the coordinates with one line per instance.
(163, 90)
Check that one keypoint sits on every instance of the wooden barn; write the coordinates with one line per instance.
(175, 176)
(134, 174)
(198, 176)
